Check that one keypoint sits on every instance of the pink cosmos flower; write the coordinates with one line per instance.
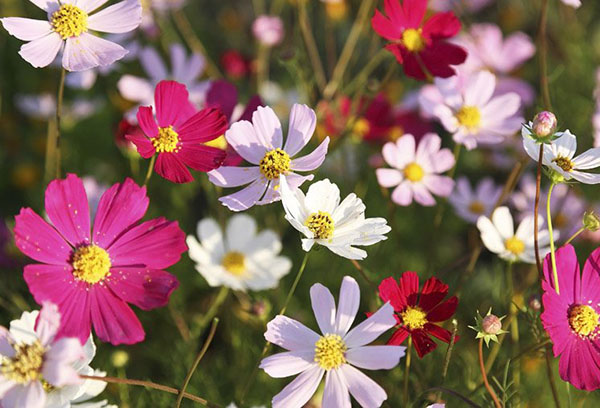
(415, 170)
(179, 134)
(26, 368)
(260, 143)
(334, 354)
(92, 276)
(471, 203)
(68, 25)
(268, 30)
(572, 317)
(467, 108)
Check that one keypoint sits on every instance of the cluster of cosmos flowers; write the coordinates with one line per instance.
(93, 254)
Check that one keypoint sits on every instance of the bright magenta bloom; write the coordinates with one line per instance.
(179, 134)
(92, 276)
(571, 318)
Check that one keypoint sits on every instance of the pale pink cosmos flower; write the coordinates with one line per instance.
(468, 109)
(572, 3)
(260, 142)
(334, 354)
(24, 366)
(68, 26)
(268, 30)
(415, 171)
(471, 203)
(460, 6)
(596, 116)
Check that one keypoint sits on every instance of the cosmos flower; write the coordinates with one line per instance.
(334, 354)
(235, 65)
(499, 237)
(415, 43)
(268, 30)
(92, 276)
(323, 219)
(27, 364)
(239, 258)
(572, 3)
(260, 143)
(460, 6)
(572, 317)
(179, 134)
(415, 171)
(471, 203)
(416, 310)
(67, 29)
(43, 107)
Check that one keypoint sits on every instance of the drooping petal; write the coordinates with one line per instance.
(375, 357)
(303, 121)
(289, 363)
(121, 17)
(290, 334)
(41, 52)
(347, 306)
(364, 390)
(88, 51)
(113, 319)
(246, 197)
(299, 392)
(40, 241)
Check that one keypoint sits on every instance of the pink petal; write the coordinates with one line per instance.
(204, 126)
(439, 185)
(246, 197)
(388, 177)
(384, 27)
(47, 323)
(290, 334)
(303, 121)
(422, 195)
(414, 11)
(222, 95)
(590, 280)
(405, 152)
(313, 160)
(113, 320)
(244, 140)
(336, 391)
(480, 89)
(38, 240)
(146, 288)
(274, 194)
(41, 52)
(364, 390)
(299, 392)
(267, 127)
(200, 157)
(88, 51)
(172, 103)
(145, 118)
(289, 363)
(229, 176)
(26, 29)
(375, 357)
(569, 277)
(121, 17)
(403, 194)
(57, 368)
(375, 325)
(579, 365)
(135, 89)
(31, 395)
(323, 305)
(347, 306)
(170, 166)
(143, 145)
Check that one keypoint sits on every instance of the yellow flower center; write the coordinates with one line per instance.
(396, 133)
(361, 127)
(413, 39)
(166, 141)
(330, 351)
(414, 172)
(469, 117)
(583, 320)
(477, 207)
(219, 143)
(234, 262)
(275, 163)
(564, 163)
(414, 317)
(26, 365)
(515, 245)
(69, 21)
(91, 264)
(320, 224)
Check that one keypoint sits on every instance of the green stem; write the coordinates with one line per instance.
(514, 323)
(552, 251)
(536, 210)
(52, 166)
(149, 172)
(407, 370)
(213, 309)
(579, 231)
(550, 374)
(311, 45)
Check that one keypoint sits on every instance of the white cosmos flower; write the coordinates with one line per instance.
(559, 156)
(322, 219)
(241, 258)
(498, 235)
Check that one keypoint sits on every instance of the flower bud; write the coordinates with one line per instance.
(544, 124)
(119, 358)
(591, 221)
(491, 324)
(268, 30)
(534, 303)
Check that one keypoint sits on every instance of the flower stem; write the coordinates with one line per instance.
(52, 167)
(213, 309)
(550, 374)
(295, 284)
(149, 172)
(536, 210)
(514, 322)
(544, 56)
(552, 251)
(407, 370)
(484, 376)
(361, 270)
(211, 335)
(579, 231)
(311, 46)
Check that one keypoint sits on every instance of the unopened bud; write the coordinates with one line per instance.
(268, 30)
(120, 358)
(534, 303)
(491, 324)
(544, 124)
(591, 221)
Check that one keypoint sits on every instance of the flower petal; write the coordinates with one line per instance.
(119, 18)
(40, 241)
(231, 176)
(364, 390)
(312, 160)
(375, 325)
(244, 140)
(146, 288)
(113, 320)
(172, 103)
(289, 363)
(267, 127)
(323, 305)
(26, 29)
(303, 121)
(299, 392)
(336, 391)
(375, 357)
(347, 306)
(204, 126)
(290, 334)
(246, 197)
(171, 167)
(88, 51)
(31, 395)
(41, 52)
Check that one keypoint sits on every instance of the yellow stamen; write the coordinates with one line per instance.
(469, 117)
(69, 21)
(234, 262)
(330, 351)
(26, 365)
(583, 320)
(320, 224)
(275, 163)
(361, 127)
(414, 317)
(564, 163)
(413, 39)
(515, 245)
(166, 141)
(414, 172)
(477, 207)
(91, 264)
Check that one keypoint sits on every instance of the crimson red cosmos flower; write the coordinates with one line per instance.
(416, 314)
(416, 44)
(180, 135)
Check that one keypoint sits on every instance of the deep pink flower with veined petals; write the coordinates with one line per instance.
(179, 134)
(92, 276)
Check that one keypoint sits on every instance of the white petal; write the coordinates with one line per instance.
(290, 334)
(289, 363)
(241, 229)
(375, 325)
(21, 396)
(586, 178)
(503, 222)
(210, 235)
(588, 160)
(303, 121)
(300, 391)
(88, 51)
(41, 52)
(323, 306)
(564, 146)
(489, 235)
(119, 18)
(322, 196)
(364, 390)
(375, 357)
(26, 29)
(347, 305)
(336, 393)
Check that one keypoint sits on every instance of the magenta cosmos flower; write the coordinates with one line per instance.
(179, 134)
(261, 144)
(334, 354)
(572, 317)
(69, 22)
(92, 276)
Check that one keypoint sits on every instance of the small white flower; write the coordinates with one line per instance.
(559, 156)
(499, 237)
(471, 203)
(241, 258)
(322, 219)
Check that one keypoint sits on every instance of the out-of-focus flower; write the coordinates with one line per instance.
(43, 107)
(235, 65)
(6, 260)
(596, 116)
(334, 354)
(323, 220)
(572, 3)
(415, 171)
(559, 156)
(68, 25)
(469, 110)
(470, 203)
(94, 192)
(92, 276)
(30, 360)
(260, 143)
(572, 318)
(417, 44)
(179, 133)
(268, 30)
(460, 6)
(416, 310)
(124, 128)
(238, 258)
(499, 237)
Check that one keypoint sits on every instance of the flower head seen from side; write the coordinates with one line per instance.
(323, 219)
(260, 143)
(417, 310)
(572, 318)
(31, 365)
(468, 109)
(68, 29)
(560, 157)
(179, 135)
(335, 354)
(471, 203)
(416, 43)
(268, 30)
(92, 274)
(498, 236)
(416, 170)
(240, 257)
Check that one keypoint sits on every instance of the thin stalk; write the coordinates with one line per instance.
(361, 270)
(407, 370)
(552, 251)
(213, 309)
(543, 41)
(362, 77)
(53, 156)
(579, 231)
(550, 375)
(311, 46)
(484, 376)
(536, 210)
(514, 323)
(149, 172)
(295, 284)
(441, 208)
